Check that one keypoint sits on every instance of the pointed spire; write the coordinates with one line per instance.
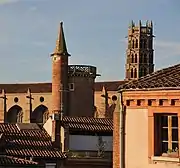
(104, 92)
(3, 92)
(29, 91)
(131, 25)
(61, 48)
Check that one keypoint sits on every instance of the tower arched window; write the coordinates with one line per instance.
(132, 73)
(135, 58)
(132, 58)
(140, 72)
(145, 43)
(145, 71)
(150, 44)
(141, 58)
(145, 58)
(141, 43)
(136, 44)
(132, 43)
(135, 73)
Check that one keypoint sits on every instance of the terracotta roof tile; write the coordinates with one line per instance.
(28, 143)
(164, 78)
(89, 124)
(9, 160)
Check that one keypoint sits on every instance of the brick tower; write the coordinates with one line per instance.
(60, 75)
(139, 54)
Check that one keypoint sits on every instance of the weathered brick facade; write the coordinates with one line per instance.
(116, 137)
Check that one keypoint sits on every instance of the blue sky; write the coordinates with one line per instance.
(95, 34)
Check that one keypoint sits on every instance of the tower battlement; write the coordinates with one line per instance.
(82, 70)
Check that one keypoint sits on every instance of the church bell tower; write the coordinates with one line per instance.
(139, 53)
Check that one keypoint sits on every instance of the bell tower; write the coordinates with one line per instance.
(139, 53)
(60, 75)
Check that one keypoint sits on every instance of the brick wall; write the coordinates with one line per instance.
(116, 139)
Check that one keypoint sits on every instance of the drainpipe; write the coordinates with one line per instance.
(122, 131)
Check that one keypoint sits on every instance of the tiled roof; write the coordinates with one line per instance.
(89, 124)
(23, 87)
(164, 78)
(9, 160)
(46, 87)
(27, 143)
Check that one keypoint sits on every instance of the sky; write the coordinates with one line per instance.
(95, 34)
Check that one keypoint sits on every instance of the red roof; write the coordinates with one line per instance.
(164, 79)
(89, 124)
(26, 140)
(46, 87)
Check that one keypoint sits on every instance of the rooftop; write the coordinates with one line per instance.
(27, 140)
(47, 87)
(89, 124)
(167, 78)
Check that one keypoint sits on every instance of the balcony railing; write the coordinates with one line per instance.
(82, 70)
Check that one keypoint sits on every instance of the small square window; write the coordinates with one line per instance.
(71, 86)
(149, 102)
(128, 102)
(138, 102)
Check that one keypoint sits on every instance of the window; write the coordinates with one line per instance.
(149, 102)
(161, 102)
(41, 99)
(141, 43)
(135, 58)
(145, 72)
(132, 73)
(133, 44)
(138, 102)
(135, 73)
(173, 102)
(166, 133)
(145, 44)
(136, 43)
(16, 99)
(145, 58)
(71, 86)
(128, 102)
(132, 58)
